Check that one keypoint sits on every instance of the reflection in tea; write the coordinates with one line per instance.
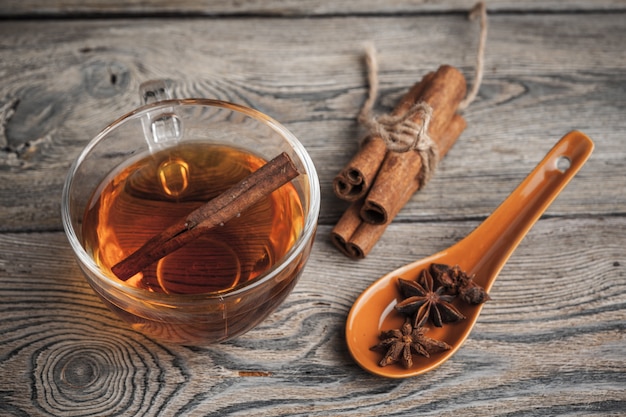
(142, 199)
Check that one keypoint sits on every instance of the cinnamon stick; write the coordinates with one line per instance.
(399, 174)
(217, 211)
(354, 237)
(354, 180)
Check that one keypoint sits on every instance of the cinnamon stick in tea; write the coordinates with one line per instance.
(217, 211)
(354, 180)
(354, 237)
(399, 173)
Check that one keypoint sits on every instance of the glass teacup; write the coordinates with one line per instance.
(150, 168)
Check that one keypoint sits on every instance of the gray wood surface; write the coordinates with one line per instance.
(290, 7)
(552, 340)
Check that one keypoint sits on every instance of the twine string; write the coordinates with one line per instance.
(400, 132)
(479, 10)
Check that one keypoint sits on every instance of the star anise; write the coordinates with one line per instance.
(399, 345)
(448, 277)
(425, 302)
(456, 281)
(425, 299)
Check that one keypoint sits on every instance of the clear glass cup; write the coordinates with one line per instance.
(207, 317)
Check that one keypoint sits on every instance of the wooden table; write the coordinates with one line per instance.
(551, 342)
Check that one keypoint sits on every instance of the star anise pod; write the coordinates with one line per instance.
(456, 281)
(425, 302)
(399, 345)
(473, 293)
(446, 276)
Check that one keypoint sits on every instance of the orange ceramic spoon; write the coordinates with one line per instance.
(483, 253)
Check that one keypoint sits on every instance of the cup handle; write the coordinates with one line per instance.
(161, 126)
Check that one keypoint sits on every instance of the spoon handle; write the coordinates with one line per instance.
(498, 236)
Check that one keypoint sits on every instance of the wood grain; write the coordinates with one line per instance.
(551, 342)
(64, 84)
(287, 7)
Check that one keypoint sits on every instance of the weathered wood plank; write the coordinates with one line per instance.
(550, 342)
(287, 7)
(63, 81)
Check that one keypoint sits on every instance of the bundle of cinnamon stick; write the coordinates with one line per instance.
(379, 180)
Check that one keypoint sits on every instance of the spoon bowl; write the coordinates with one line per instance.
(482, 253)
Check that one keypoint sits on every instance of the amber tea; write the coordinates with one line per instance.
(151, 193)
(199, 242)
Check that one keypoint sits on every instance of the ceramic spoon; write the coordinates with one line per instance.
(483, 253)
